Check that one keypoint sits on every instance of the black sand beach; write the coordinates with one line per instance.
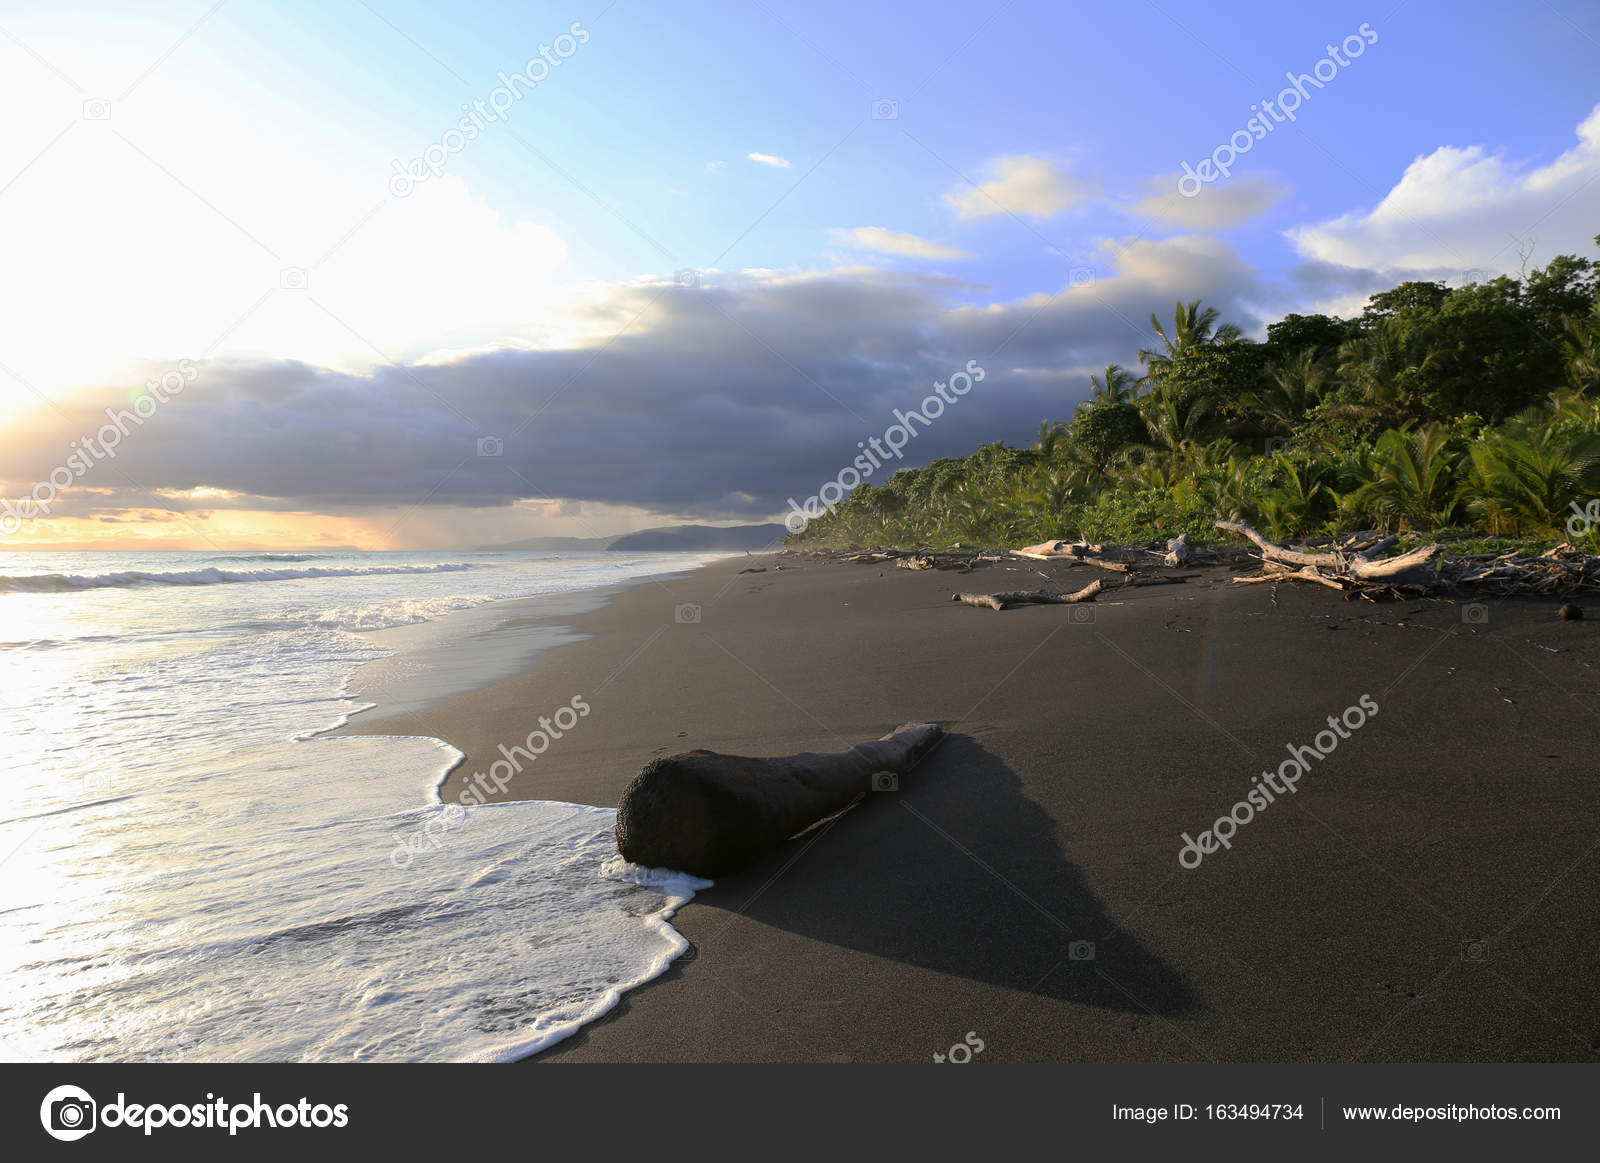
(1425, 895)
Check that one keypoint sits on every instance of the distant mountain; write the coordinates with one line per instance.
(679, 538)
(692, 537)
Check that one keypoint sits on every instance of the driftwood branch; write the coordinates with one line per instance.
(1371, 569)
(1106, 563)
(1277, 552)
(1304, 574)
(1349, 568)
(1001, 600)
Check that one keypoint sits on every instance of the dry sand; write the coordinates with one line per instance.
(1428, 893)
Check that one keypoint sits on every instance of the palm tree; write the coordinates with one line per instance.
(1175, 425)
(1118, 387)
(1580, 344)
(1288, 507)
(1191, 327)
(1377, 368)
(1051, 439)
(1414, 482)
(1293, 389)
(1524, 476)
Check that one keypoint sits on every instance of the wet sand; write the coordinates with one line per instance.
(1426, 894)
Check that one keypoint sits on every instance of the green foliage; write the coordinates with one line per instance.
(1413, 481)
(1132, 517)
(1104, 429)
(1320, 334)
(1474, 409)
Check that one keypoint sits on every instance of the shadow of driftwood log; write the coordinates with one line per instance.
(959, 872)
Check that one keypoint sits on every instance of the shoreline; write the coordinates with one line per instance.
(436, 660)
(1334, 927)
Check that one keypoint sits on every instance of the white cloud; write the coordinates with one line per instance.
(1215, 207)
(891, 242)
(716, 165)
(768, 159)
(1034, 186)
(1460, 209)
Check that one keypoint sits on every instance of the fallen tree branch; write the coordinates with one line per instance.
(1374, 569)
(1306, 574)
(1278, 552)
(1000, 601)
(1105, 563)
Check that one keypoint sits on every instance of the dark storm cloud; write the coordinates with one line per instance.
(725, 398)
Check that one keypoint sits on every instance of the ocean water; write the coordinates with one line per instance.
(188, 872)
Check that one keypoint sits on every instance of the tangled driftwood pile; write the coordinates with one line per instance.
(1562, 570)
(1355, 566)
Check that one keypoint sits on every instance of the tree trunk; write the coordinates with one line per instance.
(709, 814)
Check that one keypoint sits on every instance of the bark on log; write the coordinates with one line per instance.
(1364, 566)
(1104, 563)
(1023, 597)
(1044, 551)
(1278, 552)
(1373, 569)
(710, 814)
(1306, 574)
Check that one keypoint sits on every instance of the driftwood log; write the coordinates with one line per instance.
(1355, 566)
(710, 814)
(1006, 598)
(1179, 551)
(1352, 567)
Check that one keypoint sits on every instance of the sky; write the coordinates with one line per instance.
(401, 275)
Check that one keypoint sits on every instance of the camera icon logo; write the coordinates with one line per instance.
(1080, 276)
(490, 446)
(1474, 613)
(68, 1113)
(1477, 950)
(294, 278)
(883, 109)
(1276, 445)
(1081, 614)
(97, 109)
(686, 277)
(1080, 951)
(686, 613)
(885, 781)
